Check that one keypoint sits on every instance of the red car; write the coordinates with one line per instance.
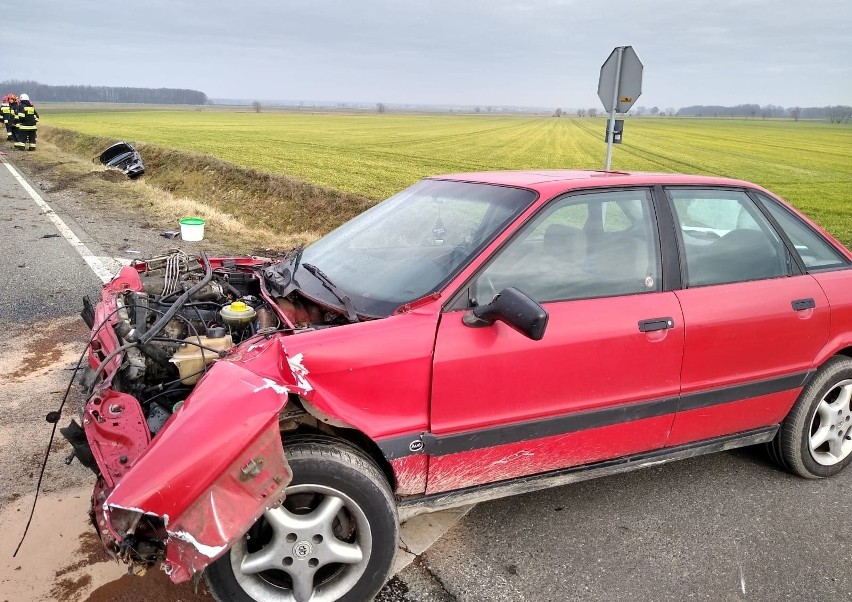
(474, 336)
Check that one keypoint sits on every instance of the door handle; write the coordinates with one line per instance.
(655, 324)
(803, 304)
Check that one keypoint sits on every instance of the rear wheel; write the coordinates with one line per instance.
(815, 440)
(333, 538)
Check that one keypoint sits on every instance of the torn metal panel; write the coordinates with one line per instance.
(209, 489)
(117, 432)
(252, 483)
(186, 439)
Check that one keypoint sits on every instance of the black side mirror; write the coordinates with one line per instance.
(513, 307)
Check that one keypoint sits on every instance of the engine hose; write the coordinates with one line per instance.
(160, 324)
(231, 289)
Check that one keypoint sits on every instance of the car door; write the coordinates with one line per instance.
(753, 322)
(604, 380)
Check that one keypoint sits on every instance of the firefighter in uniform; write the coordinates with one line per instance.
(27, 124)
(6, 114)
(13, 117)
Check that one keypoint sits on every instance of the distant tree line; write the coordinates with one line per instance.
(835, 114)
(46, 93)
(832, 113)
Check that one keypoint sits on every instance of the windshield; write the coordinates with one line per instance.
(409, 245)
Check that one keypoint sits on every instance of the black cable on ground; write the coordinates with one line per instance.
(54, 417)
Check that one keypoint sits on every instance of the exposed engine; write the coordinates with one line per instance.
(189, 313)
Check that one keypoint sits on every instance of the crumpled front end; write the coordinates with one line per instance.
(183, 490)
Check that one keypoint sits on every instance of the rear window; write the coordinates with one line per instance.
(816, 252)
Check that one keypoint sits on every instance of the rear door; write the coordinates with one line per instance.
(604, 380)
(753, 321)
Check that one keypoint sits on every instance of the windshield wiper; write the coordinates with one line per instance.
(327, 283)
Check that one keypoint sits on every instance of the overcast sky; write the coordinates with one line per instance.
(500, 52)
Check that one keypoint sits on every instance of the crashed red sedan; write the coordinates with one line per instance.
(268, 423)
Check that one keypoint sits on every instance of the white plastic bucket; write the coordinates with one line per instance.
(192, 228)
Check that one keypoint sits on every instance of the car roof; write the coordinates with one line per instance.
(545, 180)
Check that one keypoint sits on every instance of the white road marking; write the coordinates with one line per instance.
(740, 566)
(95, 263)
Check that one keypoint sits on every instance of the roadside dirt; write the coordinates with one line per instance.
(132, 214)
(62, 558)
(106, 203)
(35, 363)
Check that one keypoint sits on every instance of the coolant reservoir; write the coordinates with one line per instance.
(191, 359)
(238, 314)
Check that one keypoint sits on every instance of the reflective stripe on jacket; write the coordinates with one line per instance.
(27, 117)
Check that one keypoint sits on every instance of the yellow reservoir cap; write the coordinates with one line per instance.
(238, 314)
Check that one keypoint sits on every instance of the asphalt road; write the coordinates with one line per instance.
(728, 526)
(723, 527)
(43, 276)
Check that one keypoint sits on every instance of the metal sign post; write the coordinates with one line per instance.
(610, 135)
(619, 86)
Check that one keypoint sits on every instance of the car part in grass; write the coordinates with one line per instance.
(124, 157)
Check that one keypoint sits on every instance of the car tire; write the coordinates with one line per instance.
(334, 536)
(815, 439)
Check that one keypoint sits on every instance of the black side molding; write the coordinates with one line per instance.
(453, 443)
(410, 506)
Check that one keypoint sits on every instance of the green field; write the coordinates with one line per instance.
(808, 163)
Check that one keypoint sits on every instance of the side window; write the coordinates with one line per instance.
(814, 251)
(725, 238)
(614, 217)
(597, 244)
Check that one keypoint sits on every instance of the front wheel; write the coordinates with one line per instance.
(333, 538)
(815, 440)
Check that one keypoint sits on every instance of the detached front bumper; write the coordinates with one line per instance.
(209, 474)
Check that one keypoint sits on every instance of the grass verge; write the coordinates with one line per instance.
(242, 206)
